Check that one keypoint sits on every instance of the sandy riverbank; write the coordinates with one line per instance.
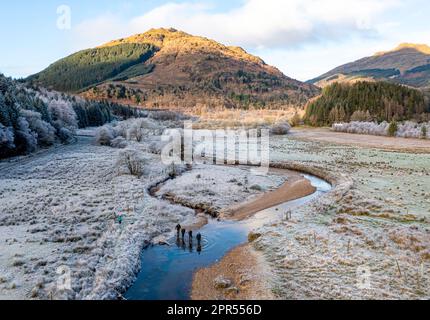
(295, 188)
(241, 275)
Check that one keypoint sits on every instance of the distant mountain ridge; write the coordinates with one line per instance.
(172, 69)
(407, 64)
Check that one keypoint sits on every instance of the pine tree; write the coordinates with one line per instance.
(392, 128)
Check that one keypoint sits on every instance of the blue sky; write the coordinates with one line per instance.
(303, 38)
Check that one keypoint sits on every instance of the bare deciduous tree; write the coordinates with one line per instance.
(132, 160)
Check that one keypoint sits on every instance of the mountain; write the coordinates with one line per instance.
(167, 68)
(408, 64)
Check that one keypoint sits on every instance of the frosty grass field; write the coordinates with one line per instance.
(368, 238)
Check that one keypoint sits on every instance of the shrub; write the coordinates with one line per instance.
(156, 147)
(256, 187)
(424, 132)
(105, 135)
(119, 143)
(121, 129)
(252, 236)
(45, 132)
(63, 115)
(65, 135)
(280, 128)
(139, 128)
(296, 120)
(7, 138)
(392, 129)
(25, 138)
(409, 129)
(133, 161)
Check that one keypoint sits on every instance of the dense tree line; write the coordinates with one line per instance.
(31, 117)
(367, 101)
(90, 67)
(97, 113)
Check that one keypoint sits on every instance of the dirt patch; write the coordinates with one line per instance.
(240, 275)
(361, 140)
(297, 187)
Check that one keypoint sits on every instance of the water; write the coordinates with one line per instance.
(167, 271)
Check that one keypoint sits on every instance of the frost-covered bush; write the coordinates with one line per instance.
(6, 137)
(138, 128)
(121, 128)
(371, 128)
(407, 129)
(119, 143)
(410, 129)
(132, 129)
(63, 115)
(45, 131)
(132, 160)
(105, 135)
(27, 139)
(156, 147)
(280, 128)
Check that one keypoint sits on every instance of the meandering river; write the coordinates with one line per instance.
(167, 271)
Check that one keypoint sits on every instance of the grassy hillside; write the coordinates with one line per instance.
(90, 67)
(370, 101)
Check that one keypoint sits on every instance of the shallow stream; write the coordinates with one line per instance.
(167, 271)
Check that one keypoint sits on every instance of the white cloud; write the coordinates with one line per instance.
(94, 32)
(257, 23)
(275, 28)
